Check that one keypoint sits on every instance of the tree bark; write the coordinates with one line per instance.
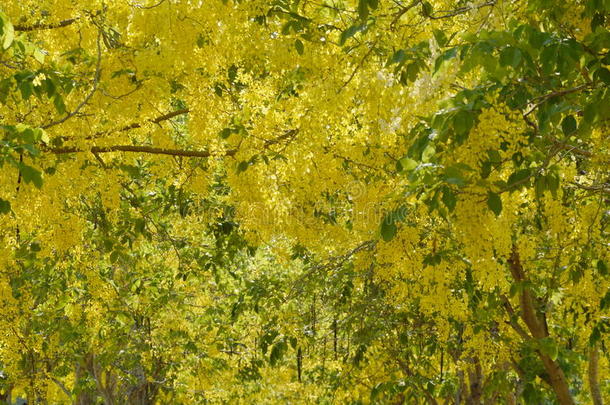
(596, 394)
(537, 327)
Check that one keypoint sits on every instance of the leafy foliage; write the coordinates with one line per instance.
(304, 202)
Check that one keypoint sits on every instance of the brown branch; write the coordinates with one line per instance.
(146, 7)
(139, 149)
(572, 148)
(512, 319)
(358, 66)
(41, 26)
(402, 12)
(287, 135)
(134, 125)
(157, 120)
(603, 188)
(461, 10)
(542, 99)
(537, 328)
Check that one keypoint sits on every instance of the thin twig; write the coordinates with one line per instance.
(96, 80)
(357, 67)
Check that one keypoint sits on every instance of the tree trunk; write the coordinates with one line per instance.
(596, 394)
(537, 327)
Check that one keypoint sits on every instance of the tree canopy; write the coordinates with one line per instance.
(305, 201)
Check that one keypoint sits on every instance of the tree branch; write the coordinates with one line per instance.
(542, 99)
(139, 149)
(593, 375)
(96, 81)
(536, 326)
(41, 26)
(157, 120)
(358, 66)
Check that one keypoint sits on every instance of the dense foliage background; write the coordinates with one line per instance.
(305, 201)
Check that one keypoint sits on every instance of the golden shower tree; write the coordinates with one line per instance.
(304, 201)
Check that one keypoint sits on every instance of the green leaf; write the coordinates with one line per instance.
(42, 135)
(38, 55)
(277, 352)
(27, 88)
(58, 102)
(31, 175)
(549, 347)
(426, 8)
(406, 163)
(350, 32)
(5, 206)
(605, 301)
(568, 125)
(299, 46)
(49, 87)
(602, 268)
(518, 178)
(440, 37)
(552, 182)
(510, 56)
(9, 34)
(242, 166)
(454, 175)
(388, 229)
(540, 186)
(225, 133)
(449, 198)
(462, 122)
(494, 202)
(445, 56)
(548, 57)
(398, 57)
(363, 9)
(5, 87)
(603, 74)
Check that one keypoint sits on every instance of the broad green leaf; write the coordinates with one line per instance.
(454, 175)
(398, 57)
(8, 34)
(5, 206)
(242, 166)
(445, 56)
(5, 88)
(350, 32)
(388, 230)
(494, 202)
(602, 268)
(510, 56)
(518, 178)
(406, 164)
(603, 74)
(449, 198)
(299, 46)
(31, 175)
(568, 125)
(38, 55)
(363, 9)
(58, 102)
(440, 37)
(27, 88)
(426, 8)
(463, 122)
